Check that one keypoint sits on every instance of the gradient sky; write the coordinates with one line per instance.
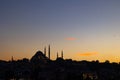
(83, 29)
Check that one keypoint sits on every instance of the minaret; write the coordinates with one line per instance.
(62, 54)
(49, 51)
(12, 59)
(57, 55)
(45, 51)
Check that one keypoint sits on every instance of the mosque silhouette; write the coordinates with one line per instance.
(41, 67)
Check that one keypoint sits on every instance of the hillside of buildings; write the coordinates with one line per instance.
(41, 67)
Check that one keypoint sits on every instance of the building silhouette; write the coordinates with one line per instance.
(39, 57)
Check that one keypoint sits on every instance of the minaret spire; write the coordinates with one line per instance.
(62, 54)
(45, 51)
(49, 51)
(57, 55)
(12, 59)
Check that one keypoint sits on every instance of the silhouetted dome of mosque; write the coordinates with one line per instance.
(39, 53)
(39, 57)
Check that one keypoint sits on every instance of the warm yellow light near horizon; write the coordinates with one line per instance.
(73, 49)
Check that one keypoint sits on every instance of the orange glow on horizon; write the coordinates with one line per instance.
(70, 38)
(87, 54)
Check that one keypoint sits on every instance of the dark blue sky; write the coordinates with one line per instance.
(31, 24)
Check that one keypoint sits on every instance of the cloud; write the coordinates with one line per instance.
(88, 54)
(70, 38)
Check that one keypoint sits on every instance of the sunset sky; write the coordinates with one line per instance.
(83, 29)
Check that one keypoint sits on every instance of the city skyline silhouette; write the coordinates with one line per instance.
(41, 67)
(85, 30)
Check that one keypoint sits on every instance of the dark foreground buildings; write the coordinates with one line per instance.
(41, 67)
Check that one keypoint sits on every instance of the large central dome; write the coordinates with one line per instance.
(39, 57)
